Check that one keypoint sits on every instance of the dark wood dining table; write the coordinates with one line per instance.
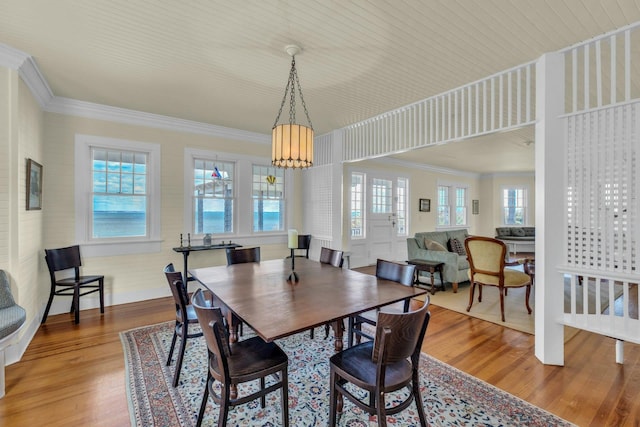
(260, 295)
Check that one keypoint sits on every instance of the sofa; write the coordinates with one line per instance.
(517, 236)
(436, 246)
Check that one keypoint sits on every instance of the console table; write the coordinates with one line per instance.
(186, 250)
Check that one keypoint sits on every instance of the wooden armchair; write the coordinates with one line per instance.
(487, 268)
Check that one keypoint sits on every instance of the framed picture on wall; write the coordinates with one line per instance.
(34, 185)
(475, 207)
(425, 205)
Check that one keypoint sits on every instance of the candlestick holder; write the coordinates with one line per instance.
(293, 277)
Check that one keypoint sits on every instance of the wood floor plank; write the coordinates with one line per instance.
(73, 375)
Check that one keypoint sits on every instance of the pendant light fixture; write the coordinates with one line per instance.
(292, 143)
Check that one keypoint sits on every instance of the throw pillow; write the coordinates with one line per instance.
(457, 247)
(517, 231)
(432, 245)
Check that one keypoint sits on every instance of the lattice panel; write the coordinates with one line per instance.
(602, 189)
(318, 201)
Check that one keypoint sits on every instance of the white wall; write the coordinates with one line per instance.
(132, 278)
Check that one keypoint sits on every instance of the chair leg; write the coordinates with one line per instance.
(285, 397)
(350, 332)
(173, 344)
(183, 346)
(205, 399)
(333, 399)
(382, 413)
(101, 292)
(326, 330)
(46, 310)
(76, 303)
(527, 298)
(263, 399)
(418, 398)
(311, 333)
(471, 292)
(502, 304)
(225, 397)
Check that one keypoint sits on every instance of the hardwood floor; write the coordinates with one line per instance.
(74, 375)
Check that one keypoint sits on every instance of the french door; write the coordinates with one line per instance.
(381, 225)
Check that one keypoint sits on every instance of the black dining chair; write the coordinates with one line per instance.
(76, 286)
(185, 316)
(332, 257)
(388, 270)
(304, 244)
(387, 364)
(242, 255)
(236, 363)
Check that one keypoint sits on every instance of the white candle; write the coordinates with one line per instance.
(293, 239)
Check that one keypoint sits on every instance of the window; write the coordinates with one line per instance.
(120, 194)
(268, 198)
(213, 201)
(357, 205)
(401, 206)
(514, 206)
(382, 197)
(234, 197)
(452, 205)
(117, 185)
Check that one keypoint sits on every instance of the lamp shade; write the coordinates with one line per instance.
(292, 146)
(292, 240)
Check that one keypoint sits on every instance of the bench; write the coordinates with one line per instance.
(517, 236)
(12, 318)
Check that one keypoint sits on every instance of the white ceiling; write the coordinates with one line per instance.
(223, 62)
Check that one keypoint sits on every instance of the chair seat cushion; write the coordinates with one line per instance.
(254, 355)
(11, 318)
(356, 361)
(512, 278)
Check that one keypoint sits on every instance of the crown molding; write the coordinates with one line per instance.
(91, 110)
(507, 175)
(29, 72)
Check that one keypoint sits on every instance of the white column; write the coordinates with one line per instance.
(550, 208)
(337, 218)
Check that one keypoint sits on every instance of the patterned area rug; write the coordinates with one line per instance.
(450, 397)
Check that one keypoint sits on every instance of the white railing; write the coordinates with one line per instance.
(605, 304)
(599, 71)
(497, 103)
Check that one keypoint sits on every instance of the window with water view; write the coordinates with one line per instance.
(119, 194)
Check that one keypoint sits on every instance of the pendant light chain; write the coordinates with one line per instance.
(291, 90)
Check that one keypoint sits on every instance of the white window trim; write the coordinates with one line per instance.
(452, 199)
(243, 211)
(526, 204)
(83, 191)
